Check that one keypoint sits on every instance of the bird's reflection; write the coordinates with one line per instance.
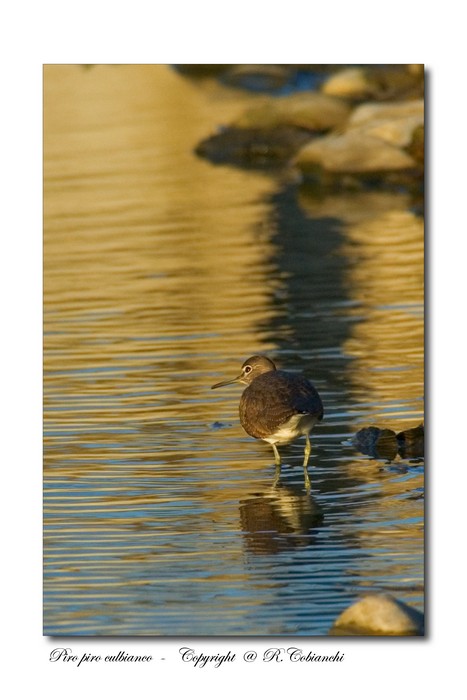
(279, 519)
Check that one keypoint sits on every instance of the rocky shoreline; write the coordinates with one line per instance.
(358, 124)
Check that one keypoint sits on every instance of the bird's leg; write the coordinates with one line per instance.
(305, 462)
(277, 459)
(307, 450)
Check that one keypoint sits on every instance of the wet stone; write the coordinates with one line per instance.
(253, 147)
(379, 614)
(375, 141)
(379, 443)
(353, 152)
(217, 425)
(393, 123)
(412, 442)
(312, 111)
(383, 443)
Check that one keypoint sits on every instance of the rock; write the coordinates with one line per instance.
(398, 81)
(253, 147)
(372, 141)
(376, 82)
(379, 443)
(353, 152)
(379, 614)
(351, 83)
(393, 123)
(382, 443)
(412, 442)
(311, 111)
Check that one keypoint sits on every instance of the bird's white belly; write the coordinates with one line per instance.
(295, 426)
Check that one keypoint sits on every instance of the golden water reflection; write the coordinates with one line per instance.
(162, 274)
(387, 283)
(384, 246)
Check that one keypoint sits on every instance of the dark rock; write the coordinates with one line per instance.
(398, 81)
(253, 147)
(412, 442)
(217, 425)
(376, 442)
(382, 443)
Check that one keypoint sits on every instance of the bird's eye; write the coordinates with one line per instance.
(247, 369)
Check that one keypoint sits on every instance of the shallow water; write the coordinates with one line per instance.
(162, 273)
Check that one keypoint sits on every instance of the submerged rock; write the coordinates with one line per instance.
(379, 614)
(412, 442)
(272, 132)
(377, 442)
(253, 147)
(382, 443)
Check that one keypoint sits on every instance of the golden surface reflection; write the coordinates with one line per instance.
(386, 280)
(162, 273)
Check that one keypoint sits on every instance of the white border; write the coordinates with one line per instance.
(143, 32)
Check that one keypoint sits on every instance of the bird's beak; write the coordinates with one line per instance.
(228, 381)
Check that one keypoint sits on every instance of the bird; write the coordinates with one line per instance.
(277, 407)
